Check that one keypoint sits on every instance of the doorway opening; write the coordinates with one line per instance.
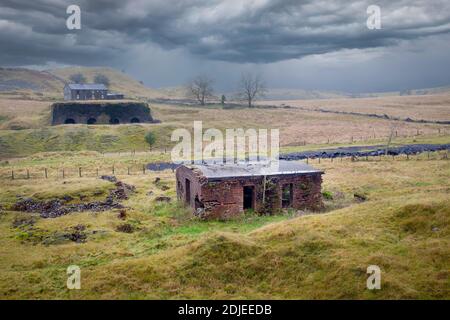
(188, 191)
(287, 195)
(92, 121)
(249, 197)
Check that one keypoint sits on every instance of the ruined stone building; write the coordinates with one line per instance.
(99, 112)
(225, 190)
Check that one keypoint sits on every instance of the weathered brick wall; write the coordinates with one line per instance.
(307, 190)
(224, 198)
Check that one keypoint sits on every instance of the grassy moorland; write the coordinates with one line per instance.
(25, 128)
(419, 107)
(157, 249)
(403, 227)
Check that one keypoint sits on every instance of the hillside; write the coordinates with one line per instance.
(29, 83)
(119, 81)
(48, 84)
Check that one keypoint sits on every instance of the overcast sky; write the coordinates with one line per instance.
(323, 45)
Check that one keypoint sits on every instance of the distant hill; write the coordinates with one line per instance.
(48, 84)
(22, 81)
(119, 81)
(34, 84)
(299, 94)
(294, 94)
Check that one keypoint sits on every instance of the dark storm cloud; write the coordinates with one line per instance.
(34, 32)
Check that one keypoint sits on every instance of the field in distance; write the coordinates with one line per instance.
(422, 107)
(157, 249)
(25, 126)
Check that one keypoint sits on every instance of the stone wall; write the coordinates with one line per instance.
(100, 113)
(224, 198)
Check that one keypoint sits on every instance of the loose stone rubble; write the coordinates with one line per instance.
(59, 207)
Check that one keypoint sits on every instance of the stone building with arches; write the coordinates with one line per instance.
(100, 113)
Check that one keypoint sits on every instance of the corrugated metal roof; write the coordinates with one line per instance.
(87, 86)
(245, 169)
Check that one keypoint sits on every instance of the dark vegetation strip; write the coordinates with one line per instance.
(363, 151)
(341, 152)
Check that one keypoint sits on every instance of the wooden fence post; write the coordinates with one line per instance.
(63, 173)
(28, 174)
(128, 170)
(45, 170)
(113, 169)
(79, 172)
(143, 169)
(12, 174)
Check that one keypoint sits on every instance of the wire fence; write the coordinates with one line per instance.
(143, 169)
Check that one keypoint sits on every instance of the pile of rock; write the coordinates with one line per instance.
(59, 207)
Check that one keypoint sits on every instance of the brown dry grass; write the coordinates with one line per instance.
(15, 113)
(426, 107)
(296, 126)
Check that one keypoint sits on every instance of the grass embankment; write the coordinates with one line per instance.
(403, 227)
(81, 137)
(126, 138)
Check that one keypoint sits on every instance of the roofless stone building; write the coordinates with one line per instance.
(226, 190)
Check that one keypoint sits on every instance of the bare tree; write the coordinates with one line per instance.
(201, 89)
(251, 87)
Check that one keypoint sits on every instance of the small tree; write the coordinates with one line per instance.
(200, 89)
(150, 138)
(223, 99)
(101, 78)
(78, 78)
(251, 87)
